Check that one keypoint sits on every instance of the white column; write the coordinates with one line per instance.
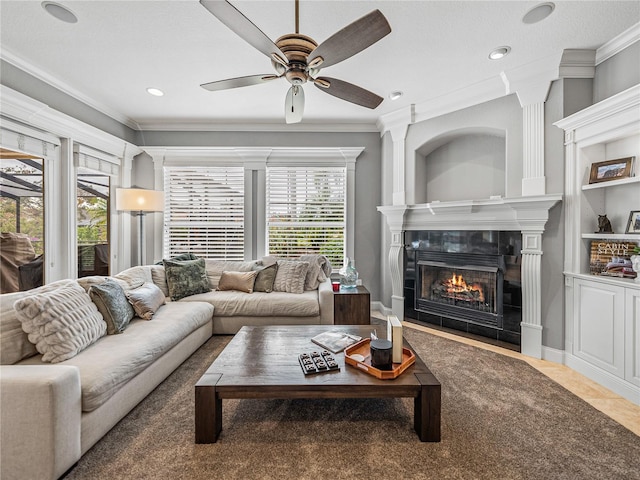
(398, 136)
(255, 207)
(123, 258)
(533, 179)
(531, 334)
(156, 219)
(396, 265)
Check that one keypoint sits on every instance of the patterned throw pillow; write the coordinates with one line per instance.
(146, 300)
(240, 281)
(186, 277)
(61, 322)
(112, 303)
(265, 278)
(290, 276)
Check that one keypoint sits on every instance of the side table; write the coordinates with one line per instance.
(352, 307)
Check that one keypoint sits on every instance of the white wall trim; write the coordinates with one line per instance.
(617, 44)
(377, 306)
(553, 355)
(201, 126)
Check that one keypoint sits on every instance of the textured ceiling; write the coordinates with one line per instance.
(119, 48)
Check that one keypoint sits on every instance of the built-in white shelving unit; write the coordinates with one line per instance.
(602, 314)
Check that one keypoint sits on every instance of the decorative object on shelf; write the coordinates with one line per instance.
(604, 225)
(612, 259)
(348, 275)
(633, 224)
(635, 263)
(611, 170)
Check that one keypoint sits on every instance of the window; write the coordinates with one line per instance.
(306, 212)
(204, 212)
(21, 221)
(93, 223)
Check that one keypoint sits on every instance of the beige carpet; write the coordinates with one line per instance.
(501, 419)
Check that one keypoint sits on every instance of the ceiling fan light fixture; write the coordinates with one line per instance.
(60, 12)
(395, 95)
(539, 13)
(156, 92)
(498, 53)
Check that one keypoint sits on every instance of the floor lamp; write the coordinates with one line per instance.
(140, 202)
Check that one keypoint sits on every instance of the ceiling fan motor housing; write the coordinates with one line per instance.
(297, 48)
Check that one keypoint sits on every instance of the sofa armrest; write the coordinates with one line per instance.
(325, 298)
(40, 410)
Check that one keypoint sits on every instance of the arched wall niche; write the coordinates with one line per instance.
(463, 164)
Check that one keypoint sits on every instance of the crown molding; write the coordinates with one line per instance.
(617, 44)
(24, 109)
(55, 82)
(576, 63)
(531, 82)
(200, 126)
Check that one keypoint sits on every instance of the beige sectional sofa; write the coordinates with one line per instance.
(52, 413)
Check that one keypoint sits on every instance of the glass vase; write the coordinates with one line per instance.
(348, 275)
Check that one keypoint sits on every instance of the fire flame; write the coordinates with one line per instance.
(457, 284)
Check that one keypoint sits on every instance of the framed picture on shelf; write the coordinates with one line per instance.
(611, 170)
(611, 259)
(633, 224)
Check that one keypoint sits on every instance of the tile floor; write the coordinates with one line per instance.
(618, 408)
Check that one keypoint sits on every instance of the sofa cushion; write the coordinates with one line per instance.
(14, 342)
(265, 278)
(186, 277)
(159, 278)
(260, 304)
(134, 277)
(61, 322)
(115, 359)
(146, 300)
(290, 276)
(215, 268)
(112, 303)
(240, 281)
(318, 266)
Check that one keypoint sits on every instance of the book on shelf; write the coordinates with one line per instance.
(335, 341)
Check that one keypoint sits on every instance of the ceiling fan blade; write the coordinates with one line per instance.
(352, 39)
(238, 82)
(348, 91)
(294, 104)
(243, 27)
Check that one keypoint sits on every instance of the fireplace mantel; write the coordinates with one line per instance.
(527, 214)
(518, 213)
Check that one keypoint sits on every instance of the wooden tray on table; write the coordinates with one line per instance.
(359, 355)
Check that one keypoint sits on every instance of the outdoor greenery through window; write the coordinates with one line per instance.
(306, 212)
(93, 223)
(204, 212)
(21, 222)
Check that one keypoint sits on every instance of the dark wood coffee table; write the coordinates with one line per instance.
(262, 362)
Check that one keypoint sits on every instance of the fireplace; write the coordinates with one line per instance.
(467, 281)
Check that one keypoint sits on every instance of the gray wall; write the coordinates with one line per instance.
(35, 88)
(617, 73)
(368, 179)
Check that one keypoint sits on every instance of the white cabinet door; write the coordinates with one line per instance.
(632, 336)
(598, 335)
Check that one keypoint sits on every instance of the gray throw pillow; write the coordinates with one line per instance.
(146, 300)
(186, 277)
(112, 303)
(266, 277)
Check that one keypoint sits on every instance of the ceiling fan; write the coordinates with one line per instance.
(298, 58)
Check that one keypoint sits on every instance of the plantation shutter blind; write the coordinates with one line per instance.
(306, 212)
(204, 212)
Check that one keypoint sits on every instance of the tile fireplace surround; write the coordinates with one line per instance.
(527, 215)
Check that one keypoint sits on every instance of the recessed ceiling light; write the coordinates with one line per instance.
(155, 92)
(60, 12)
(395, 95)
(499, 52)
(539, 13)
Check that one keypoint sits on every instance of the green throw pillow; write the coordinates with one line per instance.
(186, 277)
(264, 280)
(112, 303)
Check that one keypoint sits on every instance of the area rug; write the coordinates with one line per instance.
(501, 419)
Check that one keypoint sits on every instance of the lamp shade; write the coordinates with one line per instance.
(139, 200)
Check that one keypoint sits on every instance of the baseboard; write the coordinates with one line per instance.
(553, 355)
(378, 306)
(607, 380)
